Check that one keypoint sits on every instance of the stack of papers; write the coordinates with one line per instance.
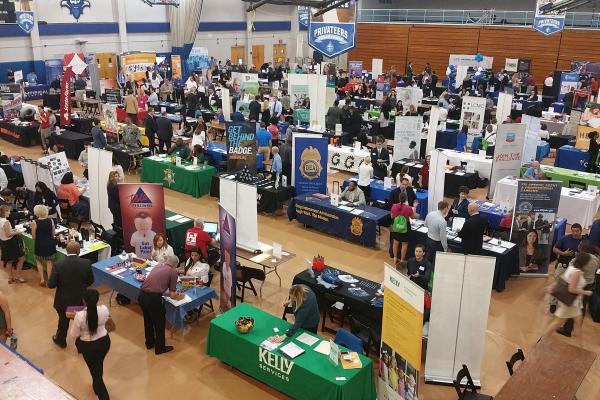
(292, 350)
(307, 339)
(351, 360)
(177, 303)
(323, 347)
(267, 344)
(178, 218)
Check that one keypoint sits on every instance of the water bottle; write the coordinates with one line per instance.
(123, 255)
(13, 342)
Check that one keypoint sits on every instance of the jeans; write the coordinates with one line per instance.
(94, 353)
(154, 319)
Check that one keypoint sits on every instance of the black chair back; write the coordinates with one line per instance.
(518, 356)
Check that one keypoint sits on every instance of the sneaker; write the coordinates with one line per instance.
(165, 349)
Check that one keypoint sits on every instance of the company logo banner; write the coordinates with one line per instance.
(241, 146)
(310, 164)
(25, 20)
(334, 32)
(227, 232)
(65, 97)
(546, 21)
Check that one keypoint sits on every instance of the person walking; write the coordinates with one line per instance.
(6, 329)
(70, 277)
(42, 233)
(90, 330)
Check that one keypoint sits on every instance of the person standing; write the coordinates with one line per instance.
(12, 253)
(333, 116)
(90, 331)
(164, 129)
(263, 142)
(461, 139)
(593, 148)
(6, 329)
(254, 107)
(114, 204)
(276, 108)
(161, 279)
(131, 106)
(401, 214)
(435, 222)
(42, 233)
(98, 136)
(365, 174)
(277, 166)
(285, 150)
(45, 128)
(150, 129)
(70, 277)
(380, 157)
(473, 230)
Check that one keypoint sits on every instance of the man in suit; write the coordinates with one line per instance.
(131, 106)
(70, 277)
(472, 231)
(150, 126)
(254, 114)
(164, 129)
(380, 158)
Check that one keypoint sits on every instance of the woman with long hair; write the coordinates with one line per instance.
(42, 233)
(161, 250)
(306, 311)
(90, 329)
(114, 204)
(531, 256)
(46, 197)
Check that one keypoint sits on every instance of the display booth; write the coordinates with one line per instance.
(99, 166)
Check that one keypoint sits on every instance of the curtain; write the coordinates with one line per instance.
(184, 21)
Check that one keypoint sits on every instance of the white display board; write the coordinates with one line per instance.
(437, 178)
(377, 67)
(459, 314)
(317, 93)
(34, 172)
(503, 107)
(434, 118)
(239, 199)
(508, 152)
(99, 167)
(59, 166)
(226, 102)
(406, 130)
(472, 115)
(531, 138)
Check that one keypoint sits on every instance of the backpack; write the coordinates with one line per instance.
(399, 225)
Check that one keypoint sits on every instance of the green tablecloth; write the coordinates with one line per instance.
(246, 105)
(567, 175)
(176, 231)
(374, 113)
(308, 376)
(194, 182)
(29, 247)
(302, 115)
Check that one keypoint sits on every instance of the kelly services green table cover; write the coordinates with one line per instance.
(567, 175)
(187, 178)
(309, 376)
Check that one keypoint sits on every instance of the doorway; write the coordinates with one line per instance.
(258, 55)
(238, 53)
(279, 54)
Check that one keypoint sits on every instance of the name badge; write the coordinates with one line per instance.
(421, 268)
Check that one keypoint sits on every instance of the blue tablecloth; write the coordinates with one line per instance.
(379, 193)
(558, 107)
(446, 139)
(571, 158)
(128, 286)
(218, 153)
(321, 215)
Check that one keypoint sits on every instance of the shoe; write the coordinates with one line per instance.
(165, 349)
(149, 346)
(59, 344)
(22, 280)
(552, 308)
(43, 284)
(11, 280)
(562, 331)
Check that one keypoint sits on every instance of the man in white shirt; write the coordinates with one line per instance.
(155, 81)
(353, 194)
(276, 108)
(153, 98)
(436, 224)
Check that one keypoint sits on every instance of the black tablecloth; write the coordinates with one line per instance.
(356, 304)
(507, 264)
(122, 154)
(71, 142)
(269, 200)
(21, 135)
(453, 182)
(412, 170)
(52, 101)
(557, 141)
(81, 125)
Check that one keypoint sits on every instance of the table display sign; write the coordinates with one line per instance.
(508, 152)
(144, 205)
(113, 96)
(35, 92)
(401, 337)
(472, 115)
(241, 146)
(58, 164)
(334, 32)
(309, 164)
(65, 97)
(406, 130)
(535, 210)
(228, 245)
(547, 20)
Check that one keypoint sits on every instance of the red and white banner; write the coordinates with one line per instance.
(65, 97)
(77, 62)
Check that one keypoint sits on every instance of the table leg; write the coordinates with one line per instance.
(110, 298)
(263, 282)
(278, 277)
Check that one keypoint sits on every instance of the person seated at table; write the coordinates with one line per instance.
(533, 95)
(195, 266)
(424, 173)
(83, 160)
(404, 187)
(460, 205)
(419, 268)
(531, 255)
(98, 136)
(380, 157)
(196, 237)
(46, 197)
(543, 132)
(70, 194)
(401, 213)
(198, 153)
(507, 221)
(131, 133)
(55, 84)
(399, 108)
(199, 138)
(404, 173)
(534, 172)
(180, 149)
(412, 111)
(414, 152)
(238, 116)
(161, 249)
(592, 165)
(353, 194)
(365, 174)
(461, 139)
(306, 311)
(219, 116)
(187, 130)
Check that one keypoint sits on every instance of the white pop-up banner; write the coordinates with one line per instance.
(434, 118)
(472, 115)
(239, 199)
(226, 103)
(99, 167)
(407, 129)
(437, 178)
(508, 152)
(503, 107)
(532, 138)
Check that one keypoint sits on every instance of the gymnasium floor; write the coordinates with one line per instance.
(517, 319)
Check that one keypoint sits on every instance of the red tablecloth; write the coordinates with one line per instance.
(141, 115)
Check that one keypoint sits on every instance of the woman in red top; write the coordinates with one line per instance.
(424, 173)
(274, 131)
(401, 208)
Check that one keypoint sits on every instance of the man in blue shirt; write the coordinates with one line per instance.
(534, 172)
(238, 116)
(461, 139)
(263, 141)
(277, 166)
(566, 247)
(98, 136)
(220, 117)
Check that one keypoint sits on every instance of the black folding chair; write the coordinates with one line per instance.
(469, 392)
(518, 356)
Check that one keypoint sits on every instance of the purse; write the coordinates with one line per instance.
(560, 291)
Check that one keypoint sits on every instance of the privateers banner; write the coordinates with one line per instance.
(309, 170)
(547, 21)
(134, 65)
(472, 115)
(508, 152)
(401, 338)
(534, 215)
(144, 205)
(227, 231)
(334, 32)
(65, 97)
(241, 146)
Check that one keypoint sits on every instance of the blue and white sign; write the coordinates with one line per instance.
(75, 6)
(334, 32)
(547, 21)
(568, 82)
(25, 20)
(303, 16)
(309, 165)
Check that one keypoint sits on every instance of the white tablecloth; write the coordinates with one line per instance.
(345, 158)
(481, 165)
(579, 207)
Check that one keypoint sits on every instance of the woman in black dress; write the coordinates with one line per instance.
(113, 197)
(42, 233)
(592, 165)
(46, 197)
(10, 243)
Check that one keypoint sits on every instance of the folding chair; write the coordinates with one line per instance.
(518, 356)
(469, 392)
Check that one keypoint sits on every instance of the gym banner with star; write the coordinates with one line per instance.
(144, 205)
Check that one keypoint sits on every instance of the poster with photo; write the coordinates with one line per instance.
(472, 114)
(298, 95)
(241, 146)
(534, 215)
(227, 233)
(244, 84)
(407, 132)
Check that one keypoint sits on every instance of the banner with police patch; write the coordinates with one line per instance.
(241, 146)
(309, 169)
(547, 20)
(334, 32)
